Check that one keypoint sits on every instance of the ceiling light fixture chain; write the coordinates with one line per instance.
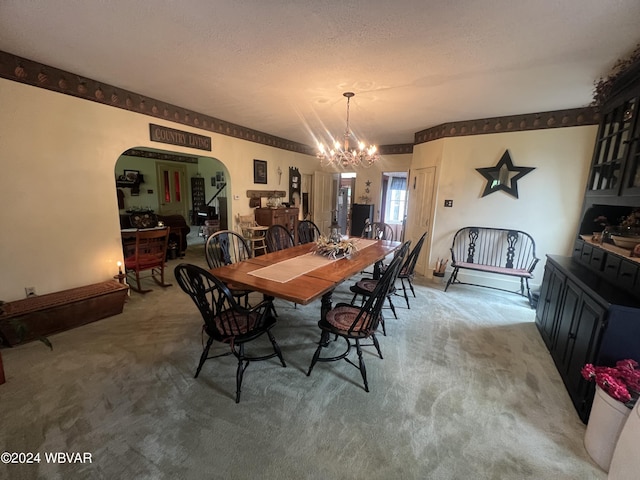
(341, 155)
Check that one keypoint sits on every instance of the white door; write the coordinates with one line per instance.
(421, 192)
(172, 191)
(323, 201)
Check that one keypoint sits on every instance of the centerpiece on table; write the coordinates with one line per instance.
(617, 390)
(334, 248)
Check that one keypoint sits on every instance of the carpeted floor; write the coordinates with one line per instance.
(466, 390)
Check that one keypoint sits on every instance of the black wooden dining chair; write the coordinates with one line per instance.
(378, 231)
(278, 238)
(366, 286)
(308, 231)
(382, 231)
(225, 321)
(407, 271)
(355, 324)
(225, 247)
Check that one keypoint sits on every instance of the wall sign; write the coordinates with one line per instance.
(178, 137)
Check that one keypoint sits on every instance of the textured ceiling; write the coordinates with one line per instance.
(281, 67)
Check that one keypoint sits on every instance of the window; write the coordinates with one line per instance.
(396, 200)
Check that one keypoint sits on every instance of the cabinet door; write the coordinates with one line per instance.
(585, 338)
(548, 304)
(543, 299)
(564, 339)
(611, 147)
(631, 184)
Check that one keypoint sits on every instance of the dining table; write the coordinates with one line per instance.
(300, 275)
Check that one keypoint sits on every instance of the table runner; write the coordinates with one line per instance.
(287, 270)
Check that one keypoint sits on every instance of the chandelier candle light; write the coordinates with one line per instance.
(341, 156)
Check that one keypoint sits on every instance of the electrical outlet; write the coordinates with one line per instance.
(448, 203)
(30, 291)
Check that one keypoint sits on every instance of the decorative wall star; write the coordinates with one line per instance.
(504, 176)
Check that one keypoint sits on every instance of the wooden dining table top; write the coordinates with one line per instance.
(309, 286)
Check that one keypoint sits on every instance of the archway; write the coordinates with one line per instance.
(187, 189)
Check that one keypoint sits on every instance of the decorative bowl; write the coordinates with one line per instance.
(625, 241)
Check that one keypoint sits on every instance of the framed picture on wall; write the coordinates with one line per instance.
(259, 171)
(131, 175)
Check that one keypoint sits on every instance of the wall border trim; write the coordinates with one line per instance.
(18, 69)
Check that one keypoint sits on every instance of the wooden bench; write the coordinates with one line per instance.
(494, 250)
(43, 315)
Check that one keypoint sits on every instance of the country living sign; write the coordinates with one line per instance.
(178, 137)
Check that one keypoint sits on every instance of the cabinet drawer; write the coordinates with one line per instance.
(611, 267)
(597, 258)
(585, 256)
(577, 249)
(627, 274)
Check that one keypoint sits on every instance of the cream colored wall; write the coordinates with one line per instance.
(57, 189)
(550, 197)
(60, 214)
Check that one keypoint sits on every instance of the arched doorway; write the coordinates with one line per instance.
(173, 184)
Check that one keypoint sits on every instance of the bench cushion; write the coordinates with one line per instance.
(516, 272)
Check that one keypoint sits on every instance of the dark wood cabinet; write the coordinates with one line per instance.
(589, 305)
(197, 200)
(287, 217)
(360, 213)
(583, 317)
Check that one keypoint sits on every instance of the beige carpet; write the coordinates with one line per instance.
(466, 390)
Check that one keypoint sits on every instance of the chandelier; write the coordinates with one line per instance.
(341, 156)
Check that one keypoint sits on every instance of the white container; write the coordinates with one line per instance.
(625, 464)
(605, 423)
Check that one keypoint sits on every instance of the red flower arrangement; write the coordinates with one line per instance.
(621, 382)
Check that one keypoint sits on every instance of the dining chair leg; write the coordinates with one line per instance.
(384, 329)
(203, 357)
(240, 371)
(393, 308)
(411, 285)
(361, 367)
(324, 341)
(276, 347)
(404, 291)
(376, 344)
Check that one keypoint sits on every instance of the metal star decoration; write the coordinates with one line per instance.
(504, 176)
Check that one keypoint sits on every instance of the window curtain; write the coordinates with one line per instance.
(398, 183)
